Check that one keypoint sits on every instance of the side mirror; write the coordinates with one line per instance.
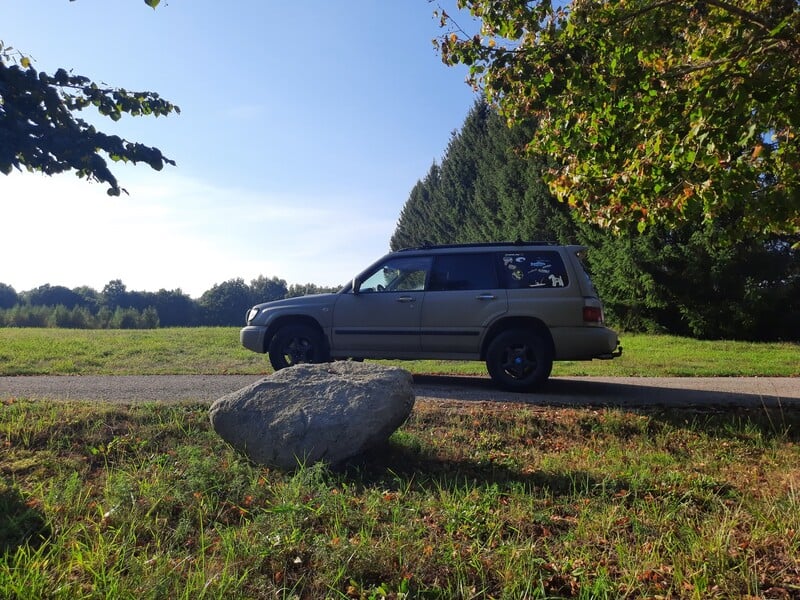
(355, 285)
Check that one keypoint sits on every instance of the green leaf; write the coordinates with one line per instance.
(152, 3)
(674, 72)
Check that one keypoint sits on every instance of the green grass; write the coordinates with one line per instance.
(489, 501)
(174, 351)
(473, 500)
(217, 351)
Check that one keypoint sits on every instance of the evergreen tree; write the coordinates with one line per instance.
(454, 198)
(486, 189)
(414, 227)
(511, 201)
(692, 281)
(439, 205)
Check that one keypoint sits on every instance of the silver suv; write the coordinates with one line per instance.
(517, 306)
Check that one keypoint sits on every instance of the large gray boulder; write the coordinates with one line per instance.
(310, 413)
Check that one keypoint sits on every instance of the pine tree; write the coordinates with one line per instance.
(486, 189)
(414, 225)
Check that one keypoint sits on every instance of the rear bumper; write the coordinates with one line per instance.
(585, 343)
(252, 338)
(611, 355)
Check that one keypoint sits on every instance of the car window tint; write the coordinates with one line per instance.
(533, 270)
(406, 274)
(463, 272)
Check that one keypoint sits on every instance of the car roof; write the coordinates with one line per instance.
(466, 248)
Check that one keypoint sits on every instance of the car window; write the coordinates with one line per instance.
(403, 274)
(463, 272)
(533, 270)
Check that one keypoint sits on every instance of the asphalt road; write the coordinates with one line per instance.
(560, 391)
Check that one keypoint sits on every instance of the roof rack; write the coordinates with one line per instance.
(481, 245)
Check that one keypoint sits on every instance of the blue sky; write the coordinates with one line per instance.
(303, 128)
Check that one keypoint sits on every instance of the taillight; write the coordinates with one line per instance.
(592, 314)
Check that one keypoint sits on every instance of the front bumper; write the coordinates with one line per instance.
(252, 338)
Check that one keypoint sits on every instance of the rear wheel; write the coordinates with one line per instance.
(520, 360)
(297, 343)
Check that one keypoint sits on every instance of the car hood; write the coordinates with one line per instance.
(306, 301)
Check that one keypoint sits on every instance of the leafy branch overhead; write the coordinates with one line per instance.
(656, 111)
(39, 129)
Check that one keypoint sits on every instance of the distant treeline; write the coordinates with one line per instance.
(115, 307)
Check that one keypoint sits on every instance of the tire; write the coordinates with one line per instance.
(297, 343)
(520, 360)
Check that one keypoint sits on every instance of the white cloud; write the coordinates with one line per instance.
(174, 232)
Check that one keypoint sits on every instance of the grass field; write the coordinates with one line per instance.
(478, 500)
(217, 351)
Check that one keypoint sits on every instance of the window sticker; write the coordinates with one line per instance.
(510, 260)
(534, 270)
(541, 265)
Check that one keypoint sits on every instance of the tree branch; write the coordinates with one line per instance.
(721, 4)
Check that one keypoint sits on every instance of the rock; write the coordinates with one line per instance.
(309, 413)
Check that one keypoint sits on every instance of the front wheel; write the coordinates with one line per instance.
(520, 360)
(296, 344)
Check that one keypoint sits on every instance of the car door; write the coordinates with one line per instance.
(463, 296)
(381, 318)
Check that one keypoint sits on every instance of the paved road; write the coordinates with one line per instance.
(560, 391)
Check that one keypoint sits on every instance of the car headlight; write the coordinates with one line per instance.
(252, 314)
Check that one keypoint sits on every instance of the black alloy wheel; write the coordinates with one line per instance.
(296, 344)
(520, 360)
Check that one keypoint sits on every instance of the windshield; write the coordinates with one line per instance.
(398, 274)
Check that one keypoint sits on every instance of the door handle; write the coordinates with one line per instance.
(405, 299)
(486, 297)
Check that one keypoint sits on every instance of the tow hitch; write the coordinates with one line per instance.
(611, 355)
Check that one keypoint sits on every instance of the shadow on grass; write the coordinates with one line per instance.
(20, 523)
(720, 413)
(392, 464)
(767, 423)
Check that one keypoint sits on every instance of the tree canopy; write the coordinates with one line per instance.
(39, 129)
(654, 111)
